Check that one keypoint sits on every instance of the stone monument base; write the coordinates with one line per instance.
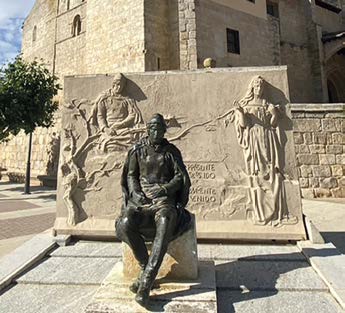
(180, 261)
(197, 296)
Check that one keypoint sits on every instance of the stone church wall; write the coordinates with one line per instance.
(157, 36)
(41, 18)
(294, 50)
(255, 34)
(319, 135)
(115, 36)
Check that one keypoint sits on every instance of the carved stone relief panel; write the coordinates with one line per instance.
(232, 126)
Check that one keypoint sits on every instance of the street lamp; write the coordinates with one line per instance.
(28, 167)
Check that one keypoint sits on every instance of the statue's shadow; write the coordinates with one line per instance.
(245, 279)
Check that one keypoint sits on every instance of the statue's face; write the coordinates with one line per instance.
(118, 85)
(257, 87)
(156, 133)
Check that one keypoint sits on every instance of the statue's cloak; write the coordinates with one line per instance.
(182, 196)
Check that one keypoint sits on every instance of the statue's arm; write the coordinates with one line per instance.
(177, 181)
(133, 175)
(241, 117)
(101, 114)
(276, 113)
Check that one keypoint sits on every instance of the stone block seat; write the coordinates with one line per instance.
(179, 263)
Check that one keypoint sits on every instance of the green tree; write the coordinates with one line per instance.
(26, 97)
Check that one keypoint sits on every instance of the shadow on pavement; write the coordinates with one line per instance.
(249, 278)
(337, 238)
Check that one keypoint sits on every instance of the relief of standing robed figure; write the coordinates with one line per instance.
(257, 127)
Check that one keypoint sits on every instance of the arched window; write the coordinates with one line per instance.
(34, 34)
(68, 4)
(76, 26)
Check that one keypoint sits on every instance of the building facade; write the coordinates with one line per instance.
(78, 37)
(84, 37)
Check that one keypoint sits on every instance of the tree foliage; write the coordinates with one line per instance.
(26, 97)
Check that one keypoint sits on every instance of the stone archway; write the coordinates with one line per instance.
(335, 74)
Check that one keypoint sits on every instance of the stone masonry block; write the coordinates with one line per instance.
(180, 262)
(320, 138)
(308, 139)
(308, 159)
(331, 125)
(327, 159)
(322, 193)
(306, 171)
(317, 149)
(342, 182)
(322, 171)
(336, 149)
(338, 192)
(340, 159)
(307, 193)
(307, 124)
(300, 148)
(314, 182)
(330, 182)
(338, 138)
(298, 138)
(337, 170)
(304, 182)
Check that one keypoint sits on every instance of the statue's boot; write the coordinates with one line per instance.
(143, 294)
(135, 285)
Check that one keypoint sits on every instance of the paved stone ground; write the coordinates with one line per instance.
(23, 216)
(250, 278)
(328, 215)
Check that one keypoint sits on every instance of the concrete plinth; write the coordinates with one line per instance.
(197, 295)
(180, 261)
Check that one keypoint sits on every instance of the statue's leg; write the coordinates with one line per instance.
(165, 220)
(128, 231)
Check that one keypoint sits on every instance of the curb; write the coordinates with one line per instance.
(24, 257)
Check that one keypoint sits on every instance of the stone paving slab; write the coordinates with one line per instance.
(158, 307)
(10, 206)
(276, 302)
(254, 252)
(27, 213)
(205, 280)
(90, 249)
(329, 263)
(74, 271)
(26, 225)
(265, 275)
(116, 287)
(8, 245)
(180, 296)
(46, 299)
(23, 257)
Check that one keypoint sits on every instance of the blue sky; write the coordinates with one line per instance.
(12, 15)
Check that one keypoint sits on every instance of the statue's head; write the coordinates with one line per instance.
(156, 128)
(119, 83)
(257, 86)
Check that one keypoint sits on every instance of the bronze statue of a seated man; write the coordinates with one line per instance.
(156, 187)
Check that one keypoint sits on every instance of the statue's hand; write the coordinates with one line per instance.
(156, 191)
(140, 199)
